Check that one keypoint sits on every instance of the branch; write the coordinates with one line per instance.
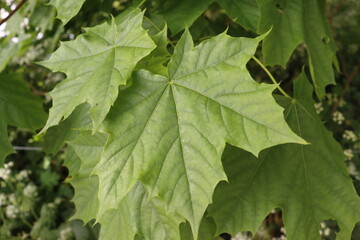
(12, 12)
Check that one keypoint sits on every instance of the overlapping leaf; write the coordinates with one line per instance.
(244, 12)
(294, 22)
(18, 107)
(181, 14)
(136, 214)
(66, 10)
(96, 63)
(309, 182)
(170, 132)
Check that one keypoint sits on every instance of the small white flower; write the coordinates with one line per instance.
(322, 225)
(240, 236)
(12, 198)
(30, 190)
(327, 232)
(349, 154)
(350, 135)
(8, 2)
(23, 174)
(15, 40)
(65, 233)
(24, 23)
(3, 13)
(39, 36)
(5, 173)
(338, 117)
(352, 169)
(319, 108)
(2, 199)
(283, 230)
(11, 211)
(12, 7)
(9, 164)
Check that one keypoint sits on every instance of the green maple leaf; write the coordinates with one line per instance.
(170, 132)
(96, 63)
(67, 130)
(181, 14)
(309, 183)
(85, 152)
(137, 214)
(244, 12)
(66, 10)
(294, 22)
(18, 107)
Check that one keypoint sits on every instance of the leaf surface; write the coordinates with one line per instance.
(297, 21)
(244, 12)
(137, 214)
(309, 183)
(66, 10)
(170, 132)
(181, 14)
(96, 63)
(18, 107)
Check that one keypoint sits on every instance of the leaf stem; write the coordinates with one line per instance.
(271, 77)
(12, 12)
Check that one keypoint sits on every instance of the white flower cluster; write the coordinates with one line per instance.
(338, 117)
(11, 211)
(23, 175)
(3, 199)
(325, 231)
(65, 233)
(350, 135)
(6, 171)
(241, 236)
(30, 190)
(318, 107)
(349, 154)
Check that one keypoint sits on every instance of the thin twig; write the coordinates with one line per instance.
(271, 77)
(25, 148)
(12, 12)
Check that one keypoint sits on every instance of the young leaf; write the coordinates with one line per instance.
(170, 132)
(66, 10)
(18, 107)
(96, 63)
(310, 183)
(293, 22)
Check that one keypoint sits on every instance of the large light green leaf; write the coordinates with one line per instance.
(309, 183)
(67, 9)
(18, 107)
(137, 214)
(294, 22)
(244, 12)
(96, 63)
(170, 132)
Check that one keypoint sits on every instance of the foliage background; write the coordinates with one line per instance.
(35, 201)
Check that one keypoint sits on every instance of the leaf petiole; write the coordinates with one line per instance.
(271, 77)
